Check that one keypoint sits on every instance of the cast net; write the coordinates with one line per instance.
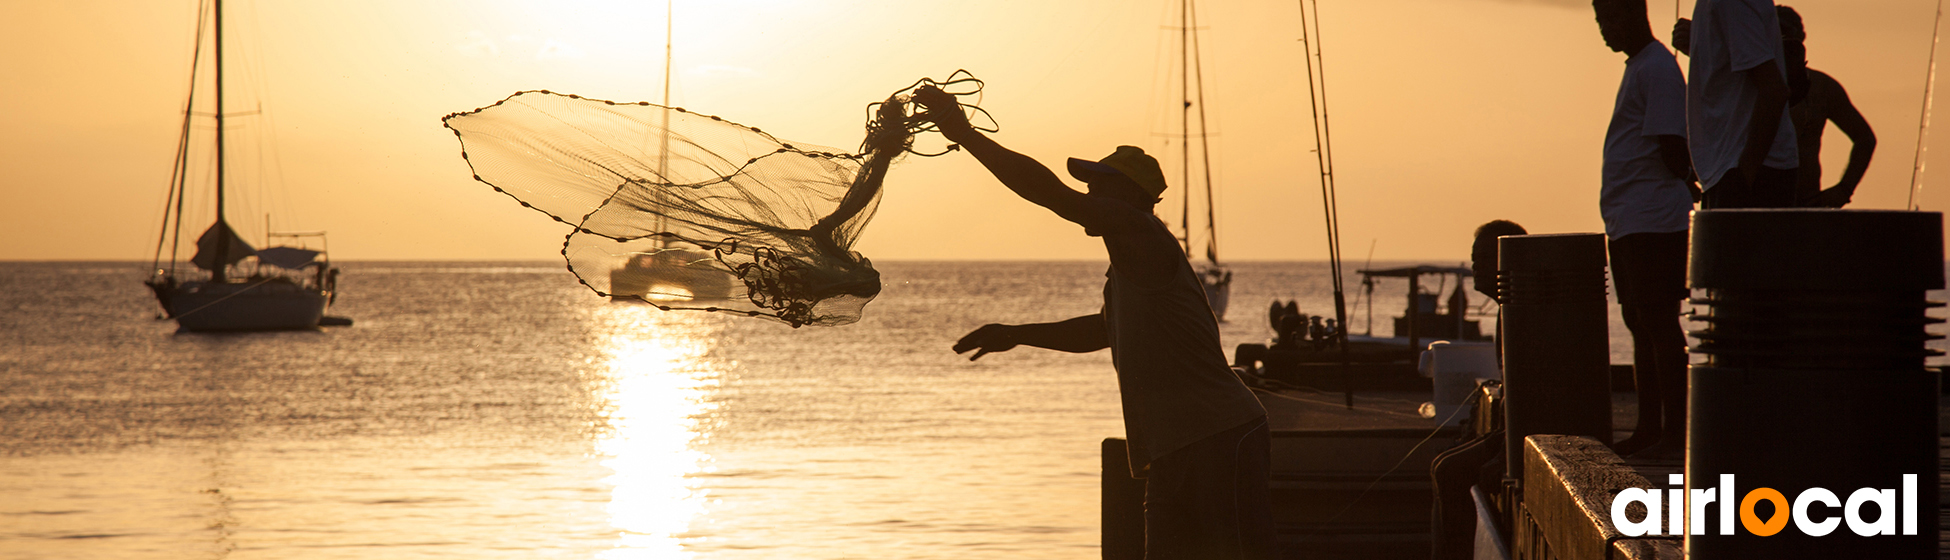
(690, 211)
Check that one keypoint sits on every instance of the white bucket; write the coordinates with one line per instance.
(1456, 369)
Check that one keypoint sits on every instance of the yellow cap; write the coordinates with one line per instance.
(1129, 161)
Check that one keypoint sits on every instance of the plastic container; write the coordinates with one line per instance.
(1456, 368)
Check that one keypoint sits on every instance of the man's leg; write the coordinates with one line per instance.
(1659, 366)
(1210, 499)
(1646, 380)
(1655, 265)
(1630, 275)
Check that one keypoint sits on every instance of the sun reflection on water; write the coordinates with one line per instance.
(656, 393)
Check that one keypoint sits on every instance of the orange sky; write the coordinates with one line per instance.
(1446, 113)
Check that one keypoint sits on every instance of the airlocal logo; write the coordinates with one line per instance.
(1807, 522)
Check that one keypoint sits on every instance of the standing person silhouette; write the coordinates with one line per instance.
(1741, 139)
(1196, 434)
(1814, 99)
(1646, 200)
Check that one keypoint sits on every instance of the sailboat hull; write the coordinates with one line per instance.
(1217, 281)
(248, 306)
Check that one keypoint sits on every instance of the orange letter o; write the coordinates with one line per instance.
(1753, 522)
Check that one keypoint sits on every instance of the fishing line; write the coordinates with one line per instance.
(1404, 460)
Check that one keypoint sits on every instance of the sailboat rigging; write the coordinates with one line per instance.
(285, 287)
(1213, 275)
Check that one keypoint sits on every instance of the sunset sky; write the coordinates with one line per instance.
(1446, 113)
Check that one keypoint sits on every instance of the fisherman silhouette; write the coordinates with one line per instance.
(1814, 99)
(1195, 432)
(1646, 202)
(1738, 130)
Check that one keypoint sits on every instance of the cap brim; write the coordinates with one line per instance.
(1087, 171)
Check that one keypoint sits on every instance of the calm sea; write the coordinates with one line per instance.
(500, 410)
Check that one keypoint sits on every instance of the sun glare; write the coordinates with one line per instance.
(657, 405)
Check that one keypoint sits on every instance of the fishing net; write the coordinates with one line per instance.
(694, 212)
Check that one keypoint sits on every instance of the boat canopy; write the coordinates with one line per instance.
(1411, 271)
(287, 257)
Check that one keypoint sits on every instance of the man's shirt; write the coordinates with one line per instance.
(1729, 37)
(1639, 193)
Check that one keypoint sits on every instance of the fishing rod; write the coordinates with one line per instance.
(1923, 127)
(1323, 155)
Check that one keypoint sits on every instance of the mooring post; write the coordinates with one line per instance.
(1556, 352)
(1809, 373)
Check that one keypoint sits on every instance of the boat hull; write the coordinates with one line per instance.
(1217, 282)
(672, 274)
(247, 306)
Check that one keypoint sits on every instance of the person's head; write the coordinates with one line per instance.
(1482, 254)
(1792, 29)
(1623, 24)
(1794, 52)
(1127, 174)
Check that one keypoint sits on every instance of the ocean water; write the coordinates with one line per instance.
(500, 410)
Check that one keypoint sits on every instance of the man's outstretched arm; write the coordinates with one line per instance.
(1079, 335)
(1029, 178)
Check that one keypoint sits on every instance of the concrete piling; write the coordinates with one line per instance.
(1556, 353)
(1809, 374)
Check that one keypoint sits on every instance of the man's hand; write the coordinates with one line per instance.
(1682, 36)
(944, 111)
(989, 338)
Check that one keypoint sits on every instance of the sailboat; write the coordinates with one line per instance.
(241, 288)
(668, 271)
(1214, 276)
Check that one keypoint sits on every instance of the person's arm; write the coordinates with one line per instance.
(1765, 122)
(1752, 47)
(1079, 335)
(1027, 177)
(1673, 152)
(1857, 128)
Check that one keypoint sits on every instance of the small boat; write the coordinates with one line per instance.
(242, 288)
(1303, 350)
(671, 273)
(666, 272)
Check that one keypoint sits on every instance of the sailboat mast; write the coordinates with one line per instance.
(663, 155)
(1197, 64)
(663, 148)
(222, 228)
(1185, 122)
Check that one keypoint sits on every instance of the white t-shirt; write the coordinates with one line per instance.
(1731, 36)
(1640, 194)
